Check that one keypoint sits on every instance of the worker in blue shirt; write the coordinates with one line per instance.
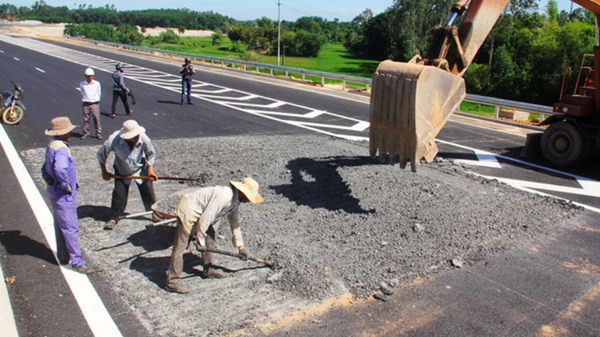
(134, 156)
(119, 90)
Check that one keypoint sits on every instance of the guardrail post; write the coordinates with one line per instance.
(496, 112)
(323, 81)
(271, 72)
(303, 77)
(343, 85)
(286, 74)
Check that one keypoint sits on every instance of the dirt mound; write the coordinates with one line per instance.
(333, 221)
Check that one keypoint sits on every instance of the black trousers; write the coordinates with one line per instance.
(123, 96)
(121, 193)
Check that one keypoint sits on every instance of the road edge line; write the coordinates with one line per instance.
(93, 309)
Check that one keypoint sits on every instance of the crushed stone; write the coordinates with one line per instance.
(333, 221)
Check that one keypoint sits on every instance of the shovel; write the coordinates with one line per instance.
(160, 178)
(239, 256)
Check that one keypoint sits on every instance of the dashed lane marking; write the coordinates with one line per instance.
(94, 311)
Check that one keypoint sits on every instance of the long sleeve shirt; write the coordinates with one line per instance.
(205, 206)
(118, 81)
(187, 72)
(90, 92)
(60, 166)
(128, 161)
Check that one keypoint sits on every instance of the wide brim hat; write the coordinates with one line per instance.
(131, 129)
(249, 187)
(60, 126)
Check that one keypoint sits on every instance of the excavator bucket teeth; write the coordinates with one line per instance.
(410, 104)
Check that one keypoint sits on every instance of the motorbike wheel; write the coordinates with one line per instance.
(14, 116)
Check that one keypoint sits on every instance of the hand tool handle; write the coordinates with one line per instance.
(160, 178)
(239, 256)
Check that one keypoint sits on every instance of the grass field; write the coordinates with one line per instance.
(333, 58)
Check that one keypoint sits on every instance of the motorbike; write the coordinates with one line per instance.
(12, 107)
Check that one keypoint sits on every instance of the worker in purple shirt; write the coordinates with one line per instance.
(59, 174)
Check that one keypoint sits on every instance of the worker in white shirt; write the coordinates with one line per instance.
(90, 98)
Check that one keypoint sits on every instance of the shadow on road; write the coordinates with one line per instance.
(98, 213)
(17, 244)
(317, 183)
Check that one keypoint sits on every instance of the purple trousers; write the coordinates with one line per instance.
(66, 228)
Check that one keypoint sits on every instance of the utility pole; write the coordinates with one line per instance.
(278, 32)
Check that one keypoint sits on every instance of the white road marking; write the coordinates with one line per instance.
(16, 59)
(589, 187)
(40, 70)
(200, 90)
(7, 319)
(524, 186)
(94, 311)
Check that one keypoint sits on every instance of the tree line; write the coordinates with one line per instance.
(523, 58)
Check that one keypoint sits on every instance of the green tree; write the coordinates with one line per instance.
(217, 37)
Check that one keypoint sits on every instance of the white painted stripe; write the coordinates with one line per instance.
(547, 187)
(327, 126)
(484, 163)
(94, 311)
(16, 59)
(523, 188)
(7, 319)
(590, 185)
(488, 158)
(40, 70)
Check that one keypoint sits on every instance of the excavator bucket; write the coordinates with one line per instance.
(410, 104)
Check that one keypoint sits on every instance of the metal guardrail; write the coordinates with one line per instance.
(255, 67)
(239, 64)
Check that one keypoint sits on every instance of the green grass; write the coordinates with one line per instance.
(333, 58)
(478, 109)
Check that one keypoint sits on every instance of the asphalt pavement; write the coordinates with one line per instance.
(545, 290)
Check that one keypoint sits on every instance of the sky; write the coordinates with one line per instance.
(291, 10)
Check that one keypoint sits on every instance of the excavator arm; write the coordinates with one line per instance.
(411, 102)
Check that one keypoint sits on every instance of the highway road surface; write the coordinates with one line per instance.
(41, 299)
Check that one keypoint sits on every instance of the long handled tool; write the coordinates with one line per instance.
(132, 98)
(129, 216)
(160, 178)
(239, 256)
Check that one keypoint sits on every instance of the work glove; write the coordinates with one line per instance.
(244, 254)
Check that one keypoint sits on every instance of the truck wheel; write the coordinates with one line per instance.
(563, 145)
(13, 117)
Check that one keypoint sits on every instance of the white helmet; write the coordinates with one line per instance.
(89, 72)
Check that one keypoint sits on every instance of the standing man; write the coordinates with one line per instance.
(187, 71)
(119, 90)
(90, 98)
(198, 214)
(134, 156)
(59, 174)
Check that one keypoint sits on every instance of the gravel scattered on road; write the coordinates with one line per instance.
(334, 221)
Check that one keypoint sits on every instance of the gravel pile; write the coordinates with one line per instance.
(334, 221)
